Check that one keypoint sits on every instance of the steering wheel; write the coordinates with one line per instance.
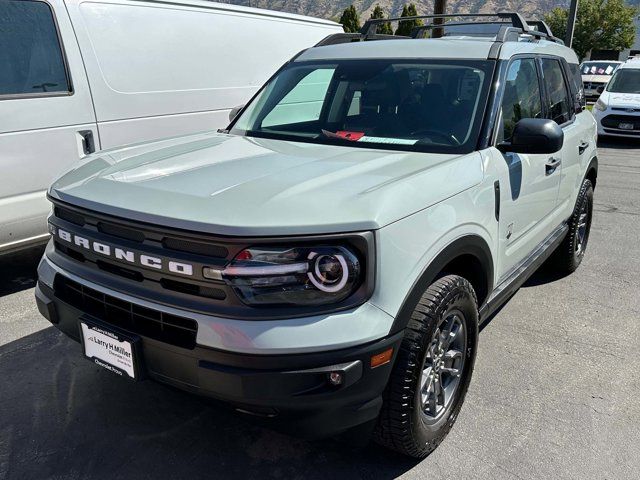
(448, 137)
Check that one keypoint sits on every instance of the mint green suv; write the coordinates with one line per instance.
(324, 263)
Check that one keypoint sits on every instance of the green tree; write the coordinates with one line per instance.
(600, 25)
(350, 20)
(406, 26)
(383, 28)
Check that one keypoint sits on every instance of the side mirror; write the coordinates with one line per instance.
(534, 135)
(234, 112)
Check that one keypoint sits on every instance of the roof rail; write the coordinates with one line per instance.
(371, 25)
(337, 38)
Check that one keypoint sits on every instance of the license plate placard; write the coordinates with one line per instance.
(625, 126)
(112, 350)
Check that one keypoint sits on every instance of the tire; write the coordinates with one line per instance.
(569, 254)
(408, 423)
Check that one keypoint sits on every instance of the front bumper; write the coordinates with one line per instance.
(290, 392)
(611, 128)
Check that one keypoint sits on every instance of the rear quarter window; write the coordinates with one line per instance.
(576, 83)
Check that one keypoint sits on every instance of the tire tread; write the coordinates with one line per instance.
(394, 427)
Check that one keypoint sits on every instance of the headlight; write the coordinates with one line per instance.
(600, 105)
(305, 275)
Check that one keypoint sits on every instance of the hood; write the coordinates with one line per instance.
(613, 99)
(596, 78)
(230, 185)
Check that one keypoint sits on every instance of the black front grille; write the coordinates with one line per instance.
(143, 321)
(622, 132)
(69, 216)
(121, 232)
(139, 233)
(169, 245)
(626, 109)
(613, 121)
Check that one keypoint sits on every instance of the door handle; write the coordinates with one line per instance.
(88, 142)
(582, 147)
(552, 165)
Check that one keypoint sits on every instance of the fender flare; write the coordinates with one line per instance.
(593, 165)
(468, 245)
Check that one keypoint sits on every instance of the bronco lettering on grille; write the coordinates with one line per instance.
(129, 256)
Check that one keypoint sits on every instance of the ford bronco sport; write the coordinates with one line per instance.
(324, 263)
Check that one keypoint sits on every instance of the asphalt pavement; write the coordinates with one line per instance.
(555, 393)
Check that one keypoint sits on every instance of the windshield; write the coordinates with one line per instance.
(626, 80)
(598, 68)
(434, 106)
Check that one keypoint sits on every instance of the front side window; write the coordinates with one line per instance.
(30, 54)
(434, 105)
(625, 80)
(521, 97)
(559, 101)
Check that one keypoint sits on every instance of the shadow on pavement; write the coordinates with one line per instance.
(64, 417)
(618, 142)
(18, 270)
(545, 274)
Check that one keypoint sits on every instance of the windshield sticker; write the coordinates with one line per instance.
(344, 135)
(355, 136)
(395, 141)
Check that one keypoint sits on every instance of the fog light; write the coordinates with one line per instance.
(336, 378)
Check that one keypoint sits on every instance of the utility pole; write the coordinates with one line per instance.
(439, 8)
(571, 22)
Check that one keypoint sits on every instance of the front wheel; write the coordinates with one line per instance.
(432, 371)
(567, 258)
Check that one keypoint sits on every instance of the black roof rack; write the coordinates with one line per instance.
(503, 28)
(512, 27)
(370, 26)
(541, 27)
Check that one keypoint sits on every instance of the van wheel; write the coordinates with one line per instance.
(432, 371)
(569, 254)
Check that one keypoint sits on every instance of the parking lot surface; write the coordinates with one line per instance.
(555, 393)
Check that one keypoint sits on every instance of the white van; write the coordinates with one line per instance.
(82, 75)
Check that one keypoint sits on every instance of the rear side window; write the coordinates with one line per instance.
(31, 57)
(558, 99)
(521, 97)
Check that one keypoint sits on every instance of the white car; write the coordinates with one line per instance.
(595, 75)
(78, 76)
(617, 111)
(325, 262)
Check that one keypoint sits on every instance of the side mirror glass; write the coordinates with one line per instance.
(234, 112)
(534, 135)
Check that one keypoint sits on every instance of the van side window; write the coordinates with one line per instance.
(559, 101)
(31, 55)
(521, 97)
